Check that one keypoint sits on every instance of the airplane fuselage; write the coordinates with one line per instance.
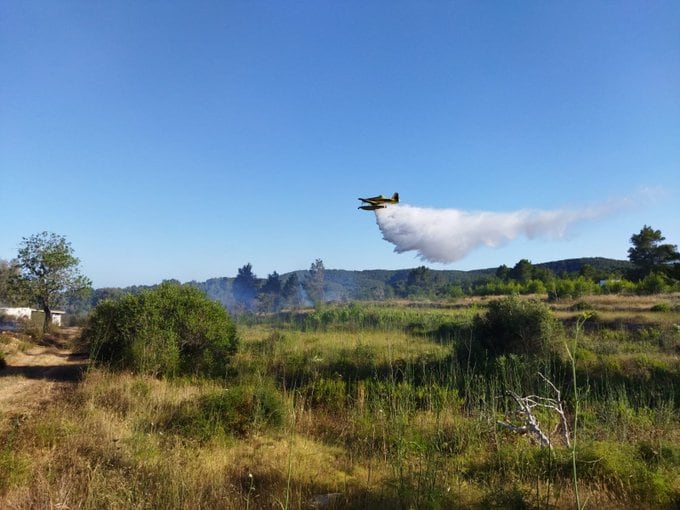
(378, 202)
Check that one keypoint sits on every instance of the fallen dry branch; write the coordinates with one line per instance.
(531, 424)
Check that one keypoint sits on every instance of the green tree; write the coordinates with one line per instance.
(104, 293)
(269, 295)
(502, 272)
(49, 271)
(542, 273)
(588, 271)
(245, 287)
(12, 292)
(78, 304)
(5, 277)
(291, 291)
(649, 255)
(522, 272)
(420, 282)
(315, 281)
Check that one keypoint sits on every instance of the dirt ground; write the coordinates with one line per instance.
(36, 373)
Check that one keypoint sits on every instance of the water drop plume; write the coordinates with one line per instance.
(448, 235)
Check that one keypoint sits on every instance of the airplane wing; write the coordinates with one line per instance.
(381, 200)
(373, 200)
(372, 207)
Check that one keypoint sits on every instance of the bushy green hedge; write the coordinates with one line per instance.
(516, 326)
(171, 330)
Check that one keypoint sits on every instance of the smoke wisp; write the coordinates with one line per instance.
(448, 235)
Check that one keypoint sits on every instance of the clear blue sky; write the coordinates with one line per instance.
(185, 139)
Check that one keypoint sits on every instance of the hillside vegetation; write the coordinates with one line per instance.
(556, 280)
(389, 405)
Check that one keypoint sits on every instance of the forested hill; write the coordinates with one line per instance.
(599, 264)
(377, 284)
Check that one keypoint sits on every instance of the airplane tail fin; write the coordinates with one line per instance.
(395, 197)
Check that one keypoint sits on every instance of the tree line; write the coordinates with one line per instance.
(46, 274)
(655, 268)
(273, 294)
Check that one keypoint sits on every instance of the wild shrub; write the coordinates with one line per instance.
(171, 330)
(659, 453)
(573, 287)
(327, 393)
(516, 326)
(622, 468)
(668, 339)
(618, 286)
(653, 283)
(535, 287)
(33, 329)
(236, 411)
(450, 332)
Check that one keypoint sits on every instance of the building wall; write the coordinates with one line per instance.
(16, 313)
(39, 317)
(26, 313)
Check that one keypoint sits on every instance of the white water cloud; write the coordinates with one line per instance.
(448, 235)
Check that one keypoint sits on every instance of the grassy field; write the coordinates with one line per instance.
(372, 406)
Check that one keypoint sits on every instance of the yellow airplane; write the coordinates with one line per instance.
(378, 202)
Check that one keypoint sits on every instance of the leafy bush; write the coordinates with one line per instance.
(535, 287)
(573, 287)
(653, 283)
(623, 470)
(618, 286)
(515, 326)
(171, 330)
(661, 307)
(236, 411)
(327, 393)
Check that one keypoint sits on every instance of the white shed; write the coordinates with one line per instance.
(16, 313)
(24, 313)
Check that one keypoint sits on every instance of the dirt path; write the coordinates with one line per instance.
(34, 376)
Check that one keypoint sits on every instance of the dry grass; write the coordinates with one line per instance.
(96, 451)
(116, 439)
(11, 343)
(619, 302)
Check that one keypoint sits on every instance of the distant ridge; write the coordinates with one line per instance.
(377, 284)
(600, 264)
(347, 285)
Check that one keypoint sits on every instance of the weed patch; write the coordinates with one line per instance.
(237, 411)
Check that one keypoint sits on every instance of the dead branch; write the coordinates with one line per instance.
(531, 424)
